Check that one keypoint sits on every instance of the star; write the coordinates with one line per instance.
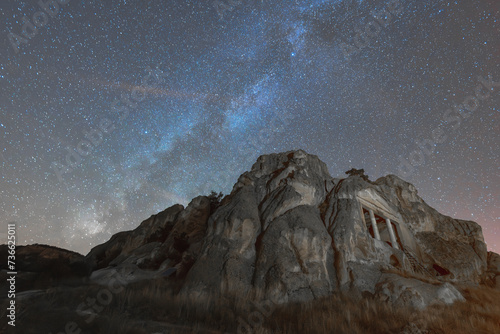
(109, 114)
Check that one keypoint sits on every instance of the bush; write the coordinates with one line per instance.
(358, 172)
(215, 200)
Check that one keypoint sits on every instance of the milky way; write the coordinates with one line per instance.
(111, 111)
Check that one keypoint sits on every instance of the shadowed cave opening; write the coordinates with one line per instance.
(440, 270)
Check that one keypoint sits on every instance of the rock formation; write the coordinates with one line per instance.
(291, 231)
(288, 232)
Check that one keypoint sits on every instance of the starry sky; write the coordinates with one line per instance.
(111, 111)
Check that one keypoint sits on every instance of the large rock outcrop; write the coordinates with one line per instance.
(165, 244)
(268, 234)
(290, 232)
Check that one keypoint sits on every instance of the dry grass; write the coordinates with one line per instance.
(339, 314)
(480, 313)
(155, 306)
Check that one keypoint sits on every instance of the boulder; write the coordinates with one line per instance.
(413, 293)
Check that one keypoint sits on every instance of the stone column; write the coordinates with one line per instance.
(374, 225)
(391, 233)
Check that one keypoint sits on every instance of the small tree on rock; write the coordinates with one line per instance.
(358, 172)
(215, 200)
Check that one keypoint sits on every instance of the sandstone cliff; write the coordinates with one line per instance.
(288, 231)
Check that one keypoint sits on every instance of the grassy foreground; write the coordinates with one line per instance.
(155, 307)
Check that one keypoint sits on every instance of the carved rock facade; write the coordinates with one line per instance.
(288, 231)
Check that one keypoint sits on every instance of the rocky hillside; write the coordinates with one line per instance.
(288, 232)
(291, 232)
(43, 266)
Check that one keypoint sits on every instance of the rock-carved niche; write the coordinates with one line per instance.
(380, 223)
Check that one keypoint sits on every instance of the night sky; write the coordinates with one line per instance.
(111, 111)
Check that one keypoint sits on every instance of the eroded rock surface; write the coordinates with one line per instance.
(289, 231)
(292, 232)
(166, 244)
(401, 291)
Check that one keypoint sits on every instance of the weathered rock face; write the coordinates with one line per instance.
(402, 291)
(440, 237)
(165, 244)
(295, 257)
(290, 232)
(268, 234)
(125, 244)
